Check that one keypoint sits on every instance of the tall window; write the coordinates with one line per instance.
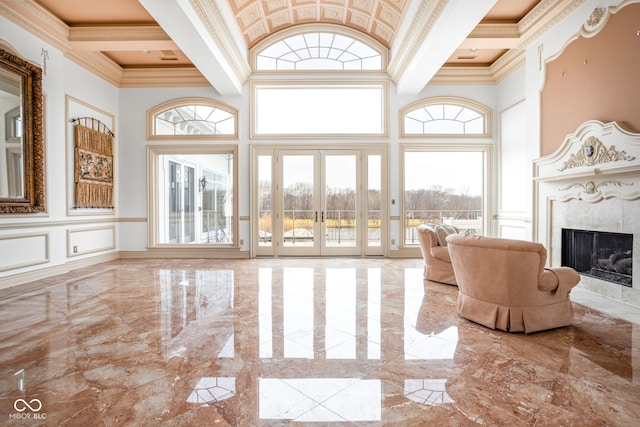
(326, 49)
(444, 185)
(444, 116)
(192, 118)
(193, 195)
(319, 108)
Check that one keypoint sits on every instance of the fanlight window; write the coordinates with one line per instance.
(446, 118)
(192, 118)
(319, 50)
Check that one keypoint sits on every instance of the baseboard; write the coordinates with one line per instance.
(44, 273)
(405, 253)
(185, 253)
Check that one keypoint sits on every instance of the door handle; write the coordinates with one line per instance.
(316, 216)
(322, 220)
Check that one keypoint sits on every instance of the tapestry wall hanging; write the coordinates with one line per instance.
(93, 164)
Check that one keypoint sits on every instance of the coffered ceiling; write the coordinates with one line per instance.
(139, 43)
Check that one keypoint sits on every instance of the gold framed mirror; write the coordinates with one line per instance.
(22, 180)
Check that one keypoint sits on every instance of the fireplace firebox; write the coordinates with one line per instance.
(606, 256)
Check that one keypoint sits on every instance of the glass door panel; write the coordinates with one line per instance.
(189, 205)
(300, 206)
(175, 202)
(265, 201)
(374, 201)
(339, 213)
(181, 206)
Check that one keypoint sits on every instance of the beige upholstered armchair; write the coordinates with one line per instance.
(503, 284)
(433, 244)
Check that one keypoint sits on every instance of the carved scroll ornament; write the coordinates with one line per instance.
(596, 17)
(595, 22)
(591, 187)
(594, 152)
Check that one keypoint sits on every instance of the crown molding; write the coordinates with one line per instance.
(463, 76)
(37, 21)
(498, 71)
(98, 64)
(71, 40)
(213, 19)
(507, 64)
(42, 24)
(425, 18)
(539, 20)
(547, 14)
(167, 77)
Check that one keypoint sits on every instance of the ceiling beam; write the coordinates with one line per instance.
(437, 30)
(120, 38)
(200, 30)
(493, 36)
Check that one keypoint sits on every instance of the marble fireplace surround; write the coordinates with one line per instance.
(592, 182)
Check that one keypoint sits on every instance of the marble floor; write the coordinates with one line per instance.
(318, 342)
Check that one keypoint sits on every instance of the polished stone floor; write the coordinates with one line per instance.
(318, 342)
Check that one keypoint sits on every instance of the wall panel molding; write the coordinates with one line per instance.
(24, 250)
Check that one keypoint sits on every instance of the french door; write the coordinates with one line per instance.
(180, 214)
(319, 202)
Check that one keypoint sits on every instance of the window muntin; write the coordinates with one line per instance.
(192, 118)
(339, 109)
(444, 185)
(321, 50)
(446, 117)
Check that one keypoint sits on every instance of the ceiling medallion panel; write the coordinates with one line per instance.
(305, 14)
(257, 19)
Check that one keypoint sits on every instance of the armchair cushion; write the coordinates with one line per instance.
(442, 231)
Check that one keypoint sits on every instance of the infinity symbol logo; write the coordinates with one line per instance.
(25, 405)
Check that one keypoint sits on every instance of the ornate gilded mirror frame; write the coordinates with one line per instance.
(32, 199)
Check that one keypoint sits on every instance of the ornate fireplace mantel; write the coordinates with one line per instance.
(592, 182)
(596, 162)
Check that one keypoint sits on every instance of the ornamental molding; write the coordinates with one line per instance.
(595, 22)
(593, 192)
(546, 15)
(424, 19)
(594, 152)
(596, 17)
(591, 187)
(212, 18)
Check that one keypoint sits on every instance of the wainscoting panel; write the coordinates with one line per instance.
(23, 250)
(90, 240)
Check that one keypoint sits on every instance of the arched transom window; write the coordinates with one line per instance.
(192, 118)
(324, 50)
(446, 116)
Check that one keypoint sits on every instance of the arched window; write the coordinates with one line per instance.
(325, 48)
(445, 116)
(192, 118)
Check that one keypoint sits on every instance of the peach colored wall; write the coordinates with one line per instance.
(595, 78)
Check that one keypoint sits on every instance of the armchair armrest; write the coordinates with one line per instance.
(558, 279)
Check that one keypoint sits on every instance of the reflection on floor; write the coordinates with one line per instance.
(308, 341)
